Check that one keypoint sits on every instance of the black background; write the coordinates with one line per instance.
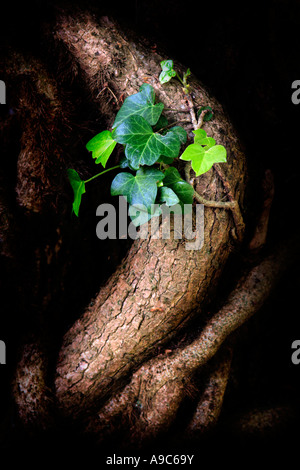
(247, 54)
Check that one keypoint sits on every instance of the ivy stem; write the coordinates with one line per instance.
(180, 79)
(231, 204)
(102, 173)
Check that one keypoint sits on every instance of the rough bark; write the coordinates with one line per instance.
(111, 372)
(160, 285)
(44, 125)
(159, 386)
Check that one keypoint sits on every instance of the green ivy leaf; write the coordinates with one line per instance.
(166, 160)
(167, 71)
(143, 146)
(167, 195)
(202, 139)
(169, 144)
(199, 135)
(207, 116)
(101, 147)
(139, 189)
(201, 159)
(124, 163)
(161, 123)
(183, 190)
(138, 214)
(140, 104)
(172, 176)
(180, 132)
(78, 189)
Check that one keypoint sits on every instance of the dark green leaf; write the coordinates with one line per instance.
(139, 189)
(181, 188)
(125, 163)
(161, 123)
(143, 146)
(139, 216)
(208, 115)
(169, 144)
(78, 189)
(180, 132)
(184, 191)
(167, 195)
(140, 104)
(166, 160)
(172, 175)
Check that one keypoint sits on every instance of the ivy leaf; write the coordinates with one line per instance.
(208, 115)
(180, 132)
(161, 123)
(166, 160)
(101, 147)
(143, 146)
(169, 144)
(201, 159)
(183, 190)
(202, 139)
(140, 104)
(124, 163)
(167, 71)
(139, 216)
(167, 195)
(78, 189)
(199, 134)
(140, 189)
(172, 176)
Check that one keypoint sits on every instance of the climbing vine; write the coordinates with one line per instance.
(151, 147)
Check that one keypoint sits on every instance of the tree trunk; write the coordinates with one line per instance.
(160, 286)
(132, 353)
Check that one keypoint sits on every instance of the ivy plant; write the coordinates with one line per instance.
(151, 147)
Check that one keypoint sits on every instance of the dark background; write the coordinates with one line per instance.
(247, 54)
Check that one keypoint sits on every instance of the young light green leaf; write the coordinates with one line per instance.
(199, 134)
(202, 160)
(78, 189)
(101, 147)
(140, 104)
(140, 189)
(143, 146)
(202, 139)
(167, 71)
